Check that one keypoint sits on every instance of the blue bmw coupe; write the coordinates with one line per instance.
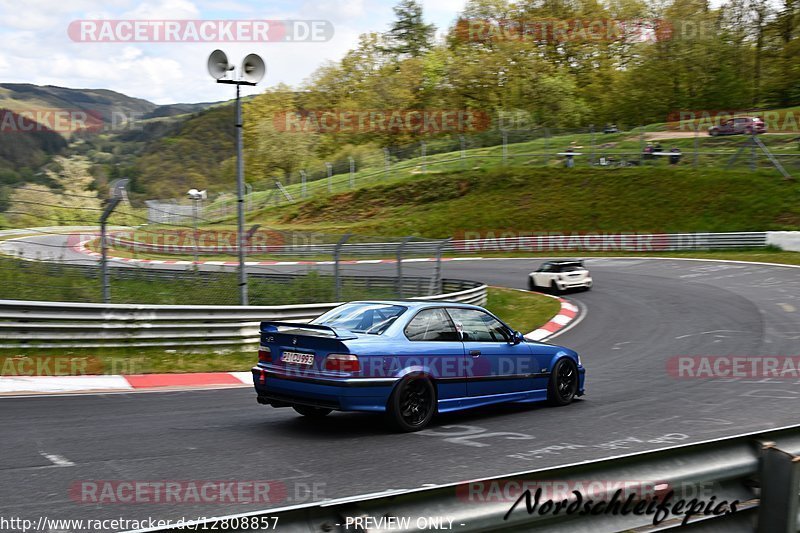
(409, 359)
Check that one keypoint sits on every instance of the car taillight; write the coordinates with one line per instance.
(264, 354)
(342, 362)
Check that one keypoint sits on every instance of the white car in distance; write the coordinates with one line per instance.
(560, 275)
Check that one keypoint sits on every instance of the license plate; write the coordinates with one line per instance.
(297, 358)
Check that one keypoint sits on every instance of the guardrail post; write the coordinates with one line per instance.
(329, 169)
(779, 474)
(337, 280)
(303, 183)
(400, 265)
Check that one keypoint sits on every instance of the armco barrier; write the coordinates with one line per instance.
(529, 242)
(758, 471)
(86, 325)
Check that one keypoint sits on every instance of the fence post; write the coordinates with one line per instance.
(337, 280)
(753, 153)
(110, 206)
(352, 172)
(303, 183)
(400, 265)
(387, 160)
(424, 148)
(779, 476)
(117, 194)
(547, 143)
(505, 147)
(696, 144)
(329, 168)
(437, 276)
(641, 145)
(463, 142)
(591, 131)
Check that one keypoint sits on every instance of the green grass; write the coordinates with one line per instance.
(530, 153)
(523, 311)
(125, 361)
(31, 280)
(620, 200)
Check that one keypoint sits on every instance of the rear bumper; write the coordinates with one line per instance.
(569, 284)
(351, 394)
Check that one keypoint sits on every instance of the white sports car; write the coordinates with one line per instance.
(558, 276)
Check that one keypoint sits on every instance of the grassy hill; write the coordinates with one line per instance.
(542, 199)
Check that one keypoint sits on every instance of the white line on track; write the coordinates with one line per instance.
(57, 460)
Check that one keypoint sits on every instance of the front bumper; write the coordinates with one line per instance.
(343, 394)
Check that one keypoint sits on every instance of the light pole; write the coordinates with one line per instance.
(251, 72)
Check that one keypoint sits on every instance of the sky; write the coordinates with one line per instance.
(45, 42)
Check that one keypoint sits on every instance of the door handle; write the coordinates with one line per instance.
(475, 353)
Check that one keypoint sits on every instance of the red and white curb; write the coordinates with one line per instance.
(26, 385)
(132, 383)
(568, 313)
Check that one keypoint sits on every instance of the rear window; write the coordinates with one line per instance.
(372, 318)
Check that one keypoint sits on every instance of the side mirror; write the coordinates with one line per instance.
(517, 337)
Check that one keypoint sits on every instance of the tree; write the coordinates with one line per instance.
(409, 36)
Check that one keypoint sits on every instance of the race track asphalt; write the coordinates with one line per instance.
(640, 313)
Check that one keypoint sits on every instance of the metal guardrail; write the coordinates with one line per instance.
(32, 324)
(531, 242)
(758, 471)
(632, 242)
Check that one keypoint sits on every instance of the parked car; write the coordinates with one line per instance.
(559, 276)
(739, 126)
(610, 128)
(408, 359)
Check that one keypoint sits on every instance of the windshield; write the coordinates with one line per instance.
(372, 318)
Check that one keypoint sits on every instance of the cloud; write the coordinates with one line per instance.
(38, 50)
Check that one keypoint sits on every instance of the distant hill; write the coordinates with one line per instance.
(20, 97)
(102, 103)
(170, 110)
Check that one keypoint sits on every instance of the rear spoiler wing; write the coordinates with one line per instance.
(272, 327)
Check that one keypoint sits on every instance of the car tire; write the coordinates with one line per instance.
(312, 412)
(412, 404)
(748, 130)
(531, 284)
(554, 288)
(563, 385)
(713, 132)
